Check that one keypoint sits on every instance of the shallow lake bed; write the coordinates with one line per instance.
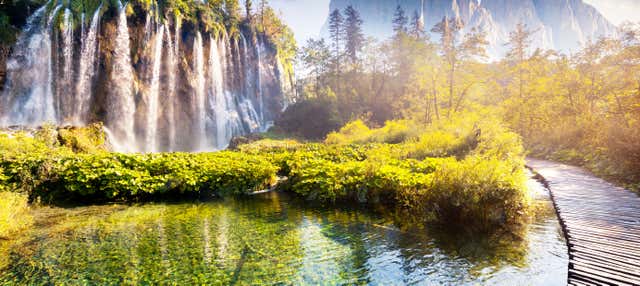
(273, 238)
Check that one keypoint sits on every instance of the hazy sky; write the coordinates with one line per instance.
(306, 17)
(618, 11)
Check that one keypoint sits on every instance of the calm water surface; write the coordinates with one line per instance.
(273, 239)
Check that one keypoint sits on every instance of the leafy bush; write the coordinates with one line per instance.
(29, 165)
(458, 171)
(483, 187)
(395, 131)
(108, 176)
(88, 139)
(14, 213)
(485, 191)
(310, 119)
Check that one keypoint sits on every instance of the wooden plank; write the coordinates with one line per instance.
(601, 223)
(625, 258)
(604, 275)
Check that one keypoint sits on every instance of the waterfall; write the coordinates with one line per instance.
(120, 117)
(216, 101)
(65, 94)
(231, 122)
(259, 48)
(27, 98)
(50, 96)
(161, 95)
(151, 143)
(87, 69)
(199, 101)
(246, 68)
(283, 82)
(82, 25)
(171, 88)
(247, 109)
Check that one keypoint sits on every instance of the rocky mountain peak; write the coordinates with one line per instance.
(564, 25)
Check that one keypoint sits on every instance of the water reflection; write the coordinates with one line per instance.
(273, 239)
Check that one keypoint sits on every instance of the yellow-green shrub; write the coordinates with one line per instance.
(393, 132)
(353, 132)
(14, 213)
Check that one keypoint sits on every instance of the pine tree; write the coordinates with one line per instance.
(336, 32)
(353, 34)
(400, 21)
(417, 27)
(520, 42)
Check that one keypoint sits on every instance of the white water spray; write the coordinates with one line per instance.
(151, 144)
(120, 117)
(199, 101)
(87, 69)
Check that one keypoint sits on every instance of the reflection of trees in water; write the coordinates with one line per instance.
(411, 252)
(270, 238)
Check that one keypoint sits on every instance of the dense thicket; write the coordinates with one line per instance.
(466, 171)
(582, 108)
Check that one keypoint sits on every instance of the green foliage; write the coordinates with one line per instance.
(15, 218)
(88, 139)
(357, 132)
(296, 120)
(14, 214)
(119, 176)
(394, 165)
(7, 31)
(581, 109)
(54, 173)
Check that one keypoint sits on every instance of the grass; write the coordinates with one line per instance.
(14, 214)
(15, 217)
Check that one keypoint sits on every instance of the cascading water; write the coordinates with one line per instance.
(217, 103)
(87, 69)
(120, 119)
(159, 95)
(171, 89)
(151, 143)
(247, 108)
(199, 112)
(259, 48)
(27, 98)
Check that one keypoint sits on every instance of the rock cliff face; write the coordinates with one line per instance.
(157, 82)
(563, 25)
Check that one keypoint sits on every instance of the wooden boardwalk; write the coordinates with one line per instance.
(601, 223)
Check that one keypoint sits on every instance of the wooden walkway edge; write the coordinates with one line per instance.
(601, 223)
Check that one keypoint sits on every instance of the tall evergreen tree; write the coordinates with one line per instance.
(400, 21)
(519, 43)
(417, 26)
(353, 34)
(336, 32)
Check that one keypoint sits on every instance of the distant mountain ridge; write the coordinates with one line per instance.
(564, 25)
